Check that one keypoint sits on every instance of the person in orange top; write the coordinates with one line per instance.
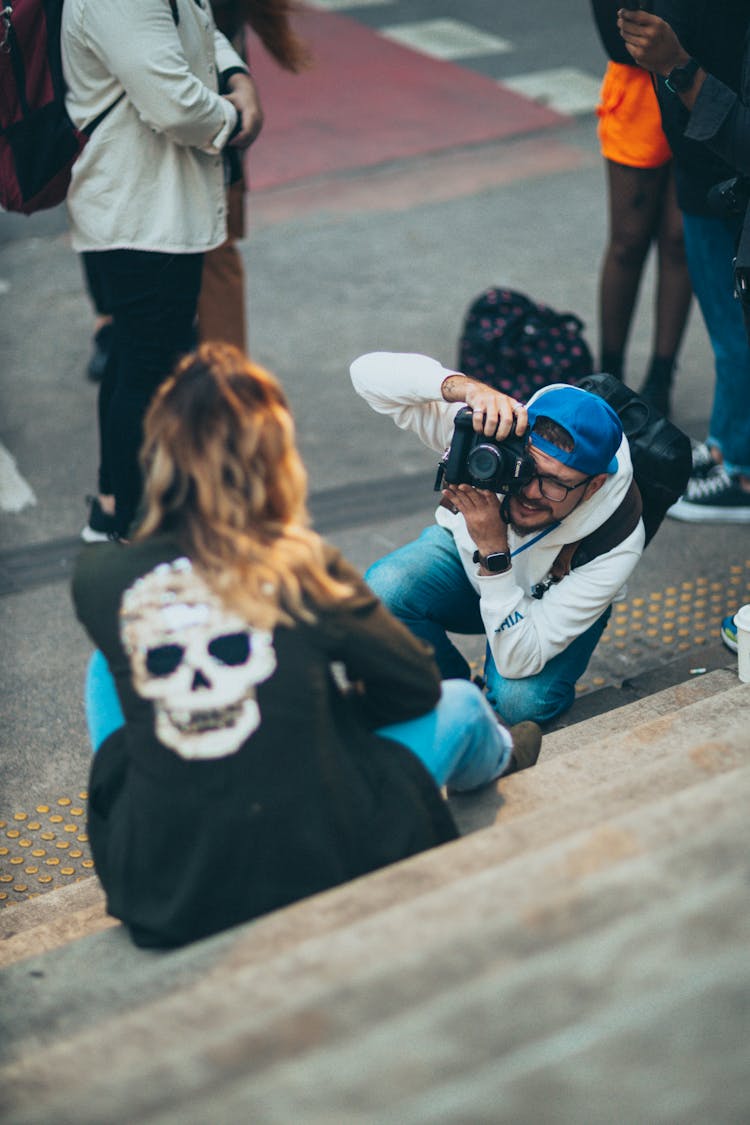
(642, 210)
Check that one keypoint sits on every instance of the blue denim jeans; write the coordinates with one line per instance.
(710, 249)
(424, 585)
(459, 742)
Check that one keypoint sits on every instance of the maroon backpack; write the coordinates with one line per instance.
(38, 141)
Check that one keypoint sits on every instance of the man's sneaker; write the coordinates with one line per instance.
(729, 633)
(715, 498)
(101, 527)
(703, 462)
(527, 741)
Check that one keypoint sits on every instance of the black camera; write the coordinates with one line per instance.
(472, 458)
(730, 197)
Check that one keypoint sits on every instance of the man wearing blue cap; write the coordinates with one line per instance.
(502, 565)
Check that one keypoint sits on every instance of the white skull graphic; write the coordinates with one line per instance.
(198, 662)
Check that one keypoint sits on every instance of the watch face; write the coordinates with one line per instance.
(499, 562)
(681, 78)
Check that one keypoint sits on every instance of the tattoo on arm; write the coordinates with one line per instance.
(453, 388)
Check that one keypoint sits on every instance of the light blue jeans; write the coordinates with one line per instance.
(424, 585)
(460, 741)
(710, 250)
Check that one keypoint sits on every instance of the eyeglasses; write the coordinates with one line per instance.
(555, 490)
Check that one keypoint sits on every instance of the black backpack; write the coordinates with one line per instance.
(517, 345)
(660, 452)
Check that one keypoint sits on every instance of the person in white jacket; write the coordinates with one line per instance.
(495, 564)
(165, 94)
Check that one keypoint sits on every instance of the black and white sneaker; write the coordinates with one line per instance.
(101, 528)
(715, 498)
(703, 461)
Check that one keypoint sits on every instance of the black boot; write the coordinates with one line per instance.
(612, 364)
(658, 384)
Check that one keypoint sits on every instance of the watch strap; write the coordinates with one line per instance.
(497, 562)
(681, 78)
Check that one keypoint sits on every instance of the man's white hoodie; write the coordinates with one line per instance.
(523, 632)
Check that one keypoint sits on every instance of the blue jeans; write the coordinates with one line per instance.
(459, 742)
(424, 585)
(710, 249)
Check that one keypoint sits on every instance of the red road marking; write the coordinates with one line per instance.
(368, 101)
(429, 179)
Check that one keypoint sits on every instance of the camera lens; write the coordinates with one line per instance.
(484, 463)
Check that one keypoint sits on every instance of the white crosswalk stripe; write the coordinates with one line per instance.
(446, 39)
(564, 89)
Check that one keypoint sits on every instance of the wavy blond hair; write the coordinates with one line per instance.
(223, 475)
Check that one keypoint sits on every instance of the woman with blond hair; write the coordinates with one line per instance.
(643, 212)
(263, 727)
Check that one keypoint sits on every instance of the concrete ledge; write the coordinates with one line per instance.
(52, 920)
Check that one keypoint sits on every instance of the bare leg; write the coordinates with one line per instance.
(634, 210)
(674, 293)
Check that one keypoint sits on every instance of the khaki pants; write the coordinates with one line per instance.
(221, 306)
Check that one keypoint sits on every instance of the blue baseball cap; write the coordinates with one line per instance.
(591, 422)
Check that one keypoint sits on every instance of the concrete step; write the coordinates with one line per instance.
(659, 755)
(653, 745)
(613, 959)
(663, 702)
(52, 920)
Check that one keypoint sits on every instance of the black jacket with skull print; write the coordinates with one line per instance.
(244, 778)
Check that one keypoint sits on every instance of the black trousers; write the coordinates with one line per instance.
(152, 298)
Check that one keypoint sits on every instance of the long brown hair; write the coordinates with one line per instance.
(271, 22)
(223, 475)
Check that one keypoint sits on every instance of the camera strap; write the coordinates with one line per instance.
(613, 531)
(531, 542)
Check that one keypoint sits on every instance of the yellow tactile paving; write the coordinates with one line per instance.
(41, 849)
(669, 621)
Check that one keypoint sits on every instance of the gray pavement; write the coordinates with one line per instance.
(324, 284)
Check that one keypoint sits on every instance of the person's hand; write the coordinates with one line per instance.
(493, 412)
(481, 510)
(651, 41)
(243, 95)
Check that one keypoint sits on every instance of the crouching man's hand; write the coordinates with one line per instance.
(493, 412)
(481, 510)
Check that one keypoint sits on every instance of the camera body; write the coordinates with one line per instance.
(730, 197)
(472, 458)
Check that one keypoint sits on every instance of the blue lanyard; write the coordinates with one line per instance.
(536, 539)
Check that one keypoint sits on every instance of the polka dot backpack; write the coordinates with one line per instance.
(517, 345)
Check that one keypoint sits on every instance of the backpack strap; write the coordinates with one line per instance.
(614, 530)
